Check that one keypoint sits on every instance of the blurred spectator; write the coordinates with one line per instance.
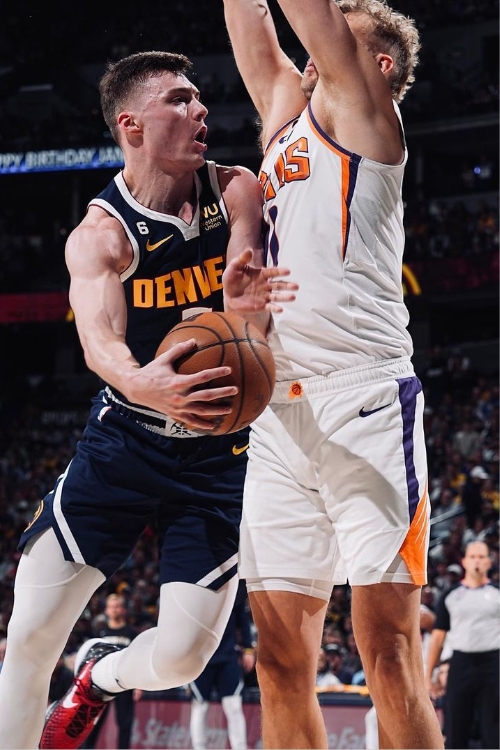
(335, 656)
(472, 498)
(324, 676)
(454, 574)
(444, 510)
(467, 440)
(352, 659)
(332, 634)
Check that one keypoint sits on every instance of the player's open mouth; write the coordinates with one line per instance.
(201, 135)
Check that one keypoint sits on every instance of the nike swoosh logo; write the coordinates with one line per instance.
(237, 451)
(152, 247)
(363, 413)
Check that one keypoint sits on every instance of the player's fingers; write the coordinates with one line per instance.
(279, 283)
(282, 297)
(204, 376)
(178, 350)
(283, 285)
(225, 394)
(245, 257)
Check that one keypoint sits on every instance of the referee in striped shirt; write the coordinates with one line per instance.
(469, 615)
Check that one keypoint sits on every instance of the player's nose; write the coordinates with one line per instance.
(201, 111)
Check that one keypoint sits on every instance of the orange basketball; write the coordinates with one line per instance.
(225, 339)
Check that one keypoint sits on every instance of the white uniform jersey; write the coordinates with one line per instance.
(335, 220)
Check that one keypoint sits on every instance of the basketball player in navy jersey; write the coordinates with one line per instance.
(336, 484)
(150, 251)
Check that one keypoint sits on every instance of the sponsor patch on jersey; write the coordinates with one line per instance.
(211, 217)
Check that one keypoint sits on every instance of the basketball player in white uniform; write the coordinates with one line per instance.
(336, 488)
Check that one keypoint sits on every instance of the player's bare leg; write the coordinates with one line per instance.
(290, 626)
(386, 619)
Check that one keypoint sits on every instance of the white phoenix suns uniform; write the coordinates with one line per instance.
(336, 485)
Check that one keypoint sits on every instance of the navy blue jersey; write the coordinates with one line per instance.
(176, 268)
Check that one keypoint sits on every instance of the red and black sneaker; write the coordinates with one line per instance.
(69, 721)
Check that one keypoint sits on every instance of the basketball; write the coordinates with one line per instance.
(226, 340)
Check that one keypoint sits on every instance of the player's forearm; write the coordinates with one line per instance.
(108, 356)
(100, 314)
(257, 52)
(260, 319)
(322, 31)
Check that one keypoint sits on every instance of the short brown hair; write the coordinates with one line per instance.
(123, 76)
(392, 33)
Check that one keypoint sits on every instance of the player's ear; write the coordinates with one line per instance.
(127, 122)
(385, 62)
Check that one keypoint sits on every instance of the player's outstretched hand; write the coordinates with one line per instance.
(250, 289)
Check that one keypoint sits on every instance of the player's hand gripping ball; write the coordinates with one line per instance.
(226, 340)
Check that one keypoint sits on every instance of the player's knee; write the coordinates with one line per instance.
(180, 664)
(279, 666)
(30, 645)
(389, 664)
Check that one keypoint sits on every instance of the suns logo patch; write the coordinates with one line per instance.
(296, 390)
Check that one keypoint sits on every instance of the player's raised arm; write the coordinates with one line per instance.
(362, 56)
(271, 78)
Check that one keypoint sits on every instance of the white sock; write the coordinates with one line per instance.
(232, 706)
(198, 724)
(103, 674)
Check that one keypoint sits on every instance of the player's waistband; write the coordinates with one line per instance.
(286, 391)
(153, 421)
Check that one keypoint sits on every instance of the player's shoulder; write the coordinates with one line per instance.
(227, 174)
(98, 228)
(238, 184)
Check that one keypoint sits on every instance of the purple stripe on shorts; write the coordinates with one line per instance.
(409, 388)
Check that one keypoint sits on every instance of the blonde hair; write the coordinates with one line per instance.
(392, 33)
(116, 598)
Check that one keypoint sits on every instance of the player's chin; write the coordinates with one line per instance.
(200, 149)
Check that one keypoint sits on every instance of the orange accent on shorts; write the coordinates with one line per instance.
(414, 548)
(296, 390)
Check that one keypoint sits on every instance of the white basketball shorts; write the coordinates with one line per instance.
(336, 484)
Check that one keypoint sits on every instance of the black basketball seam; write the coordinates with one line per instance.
(256, 342)
(236, 339)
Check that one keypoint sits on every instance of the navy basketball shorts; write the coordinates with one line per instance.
(124, 478)
(223, 677)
